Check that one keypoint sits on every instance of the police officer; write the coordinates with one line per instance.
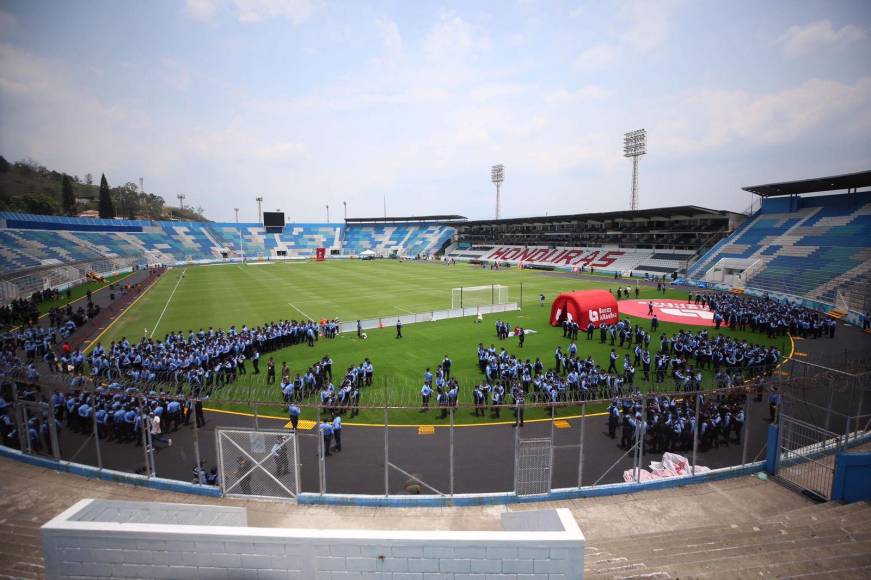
(327, 433)
(398, 328)
(613, 419)
(279, 452)
(337, 431)
(294, 412)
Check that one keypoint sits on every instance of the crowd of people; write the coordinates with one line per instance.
(669, 424)
(334, 400)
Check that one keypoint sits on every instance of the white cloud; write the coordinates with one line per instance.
(803, 39)
(710, 119)
(597, 57)
(453, 40)
(391, 40)
(577, 96)
(250, 11)
(648, 23)
(201, 9)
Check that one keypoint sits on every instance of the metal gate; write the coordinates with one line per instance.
(260, 464)
(532, 466)
(806, 456)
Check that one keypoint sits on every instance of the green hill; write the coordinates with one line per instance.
(26, 186)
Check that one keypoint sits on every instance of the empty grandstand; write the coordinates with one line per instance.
(40, 252)
(399, 236)
(811, 247)
(655, 241)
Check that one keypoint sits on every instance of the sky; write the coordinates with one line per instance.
(310, 103)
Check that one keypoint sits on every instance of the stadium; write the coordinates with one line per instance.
(653, 392)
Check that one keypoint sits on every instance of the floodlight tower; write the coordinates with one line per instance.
(241, 251)
(497, 176)
(345, 203)
(634, 146)
(328, 213)
(259, 209)
(181, 197)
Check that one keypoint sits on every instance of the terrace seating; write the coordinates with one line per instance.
(404, 239)
(829, 540)
(815, 251)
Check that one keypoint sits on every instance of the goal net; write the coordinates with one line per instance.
(470, 296)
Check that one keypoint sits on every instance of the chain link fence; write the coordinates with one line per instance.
(408, 449)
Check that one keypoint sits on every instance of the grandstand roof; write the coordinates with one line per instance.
(816, 185)
(681, 211)
(416, 218)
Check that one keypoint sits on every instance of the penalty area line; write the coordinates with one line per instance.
(168, 300)
(300, 311)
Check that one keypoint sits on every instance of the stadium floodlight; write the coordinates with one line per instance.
(634, 146)
(497, 176)
(328, 213)
(181, 197)
(345, 203)
(259, 210)
(241, 251)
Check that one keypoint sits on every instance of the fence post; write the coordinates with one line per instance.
(552, 420)
(196, 440)
(322, 466)
(96, 438)
(581, 444)
(696, 432)
(52, 435)
(829, 406)
(297, 484)
(256, 421)
(386, 454)
(641, 427)
(452, 453)
(146, 439)
(746, 428)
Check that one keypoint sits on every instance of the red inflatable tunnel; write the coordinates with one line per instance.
(584, 307)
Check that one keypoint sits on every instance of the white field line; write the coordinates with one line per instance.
(406, 310)
(168, 300)
(301, 312)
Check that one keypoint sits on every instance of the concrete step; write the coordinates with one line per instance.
(858, 572)
(779, 564)
(713, 549)
(813, 508)
(838, 512)
(668, 542)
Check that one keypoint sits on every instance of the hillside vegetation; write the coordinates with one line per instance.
(26, 186)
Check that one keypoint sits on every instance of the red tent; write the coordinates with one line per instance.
(584, 307)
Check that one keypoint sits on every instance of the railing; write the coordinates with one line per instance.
(22, 284)
(401, 450)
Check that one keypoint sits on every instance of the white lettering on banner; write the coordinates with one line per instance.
(594, 316)
(688, 313)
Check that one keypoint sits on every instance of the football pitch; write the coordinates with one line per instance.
(191, 298)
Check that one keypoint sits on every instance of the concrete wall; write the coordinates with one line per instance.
(101, 549)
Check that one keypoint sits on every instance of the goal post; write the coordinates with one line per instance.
(470, 296)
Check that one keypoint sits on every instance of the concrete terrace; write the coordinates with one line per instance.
(714, 525)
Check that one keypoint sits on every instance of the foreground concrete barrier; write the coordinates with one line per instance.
(103, 539)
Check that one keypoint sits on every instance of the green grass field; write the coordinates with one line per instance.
(220, 296)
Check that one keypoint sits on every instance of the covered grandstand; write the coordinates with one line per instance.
(801, 246)
(653, 241)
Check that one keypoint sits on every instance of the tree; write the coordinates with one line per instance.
(106, 209)
(4, 165)
(89, 179)
(68, 197)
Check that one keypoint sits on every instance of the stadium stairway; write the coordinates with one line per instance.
(828, 540)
